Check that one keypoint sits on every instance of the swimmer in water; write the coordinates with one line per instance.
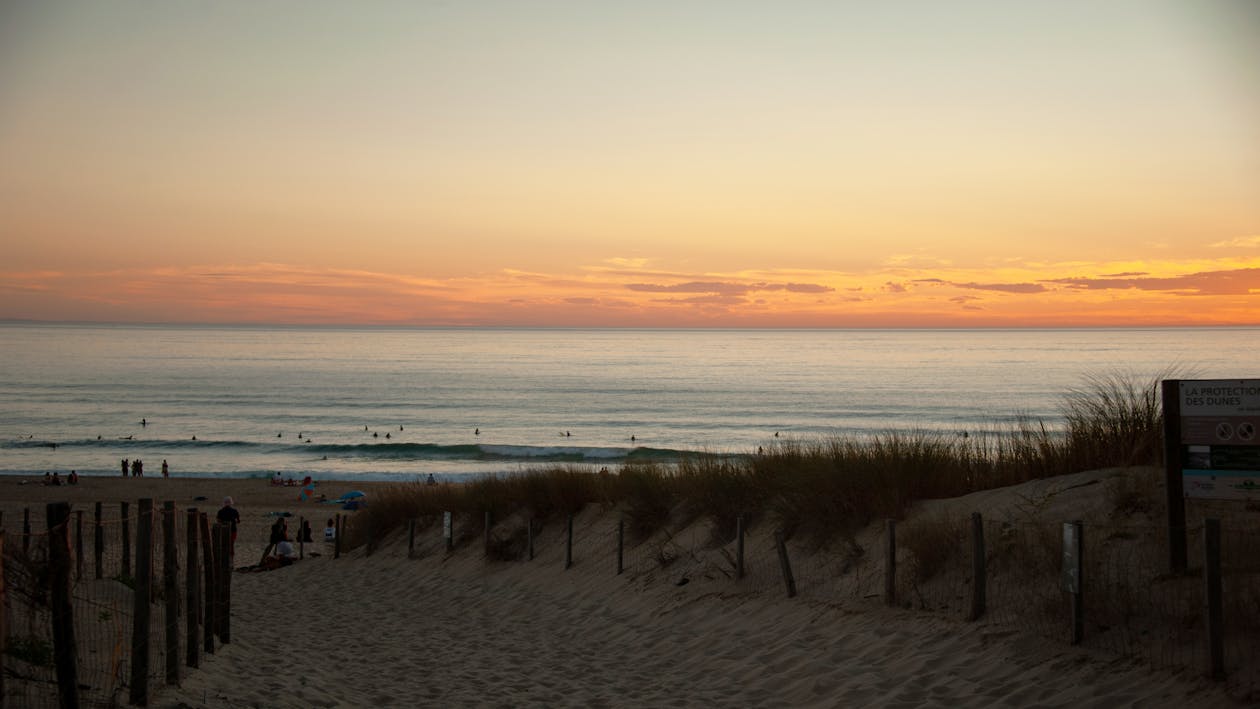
(476, 431)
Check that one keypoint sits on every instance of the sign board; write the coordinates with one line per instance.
(1220, 451)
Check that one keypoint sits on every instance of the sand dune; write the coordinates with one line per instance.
(455, 630)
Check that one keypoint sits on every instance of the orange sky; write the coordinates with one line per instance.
(801, 164)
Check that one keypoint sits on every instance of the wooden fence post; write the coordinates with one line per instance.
(568, 543)
(621, 545)
(124, 513)
(411, 538)
(979, 568)
(170, 590)
(739, 547)
(99, 544)
(1073, 575)
(78, 544)
(448, 530)
(65, 655)
(210, 569)
(337, 538)
(224, 614)
(785, 564)
(192, 587)
(141, 614)
(1212, 598)
(4, 630)
(890, 563)
(301, 534)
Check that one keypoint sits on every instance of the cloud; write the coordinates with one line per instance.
(727, 288)
(998, 287)
(894, 287)
(630, 263)
(1242, 281)
(1242, 242)
(1003, 287)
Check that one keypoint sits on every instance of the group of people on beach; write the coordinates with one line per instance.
(136, 468)
(52, 478)
(280, 550)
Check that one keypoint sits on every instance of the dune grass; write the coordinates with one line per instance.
(819, 489)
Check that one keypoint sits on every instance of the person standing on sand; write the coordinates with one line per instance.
(124, 467)
(166, 472)
(228, 515)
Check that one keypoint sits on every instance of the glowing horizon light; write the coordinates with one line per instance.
(656, 165)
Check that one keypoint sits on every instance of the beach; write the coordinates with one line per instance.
(453, 629)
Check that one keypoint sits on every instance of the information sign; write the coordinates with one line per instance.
(1220, 453)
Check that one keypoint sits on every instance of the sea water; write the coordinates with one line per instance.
(404, 403)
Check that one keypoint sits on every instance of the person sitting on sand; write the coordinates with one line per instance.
(285, 553)
(330, 532)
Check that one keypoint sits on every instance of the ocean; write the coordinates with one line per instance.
(405, 403)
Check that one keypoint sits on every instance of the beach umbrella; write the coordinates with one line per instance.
(352, 494)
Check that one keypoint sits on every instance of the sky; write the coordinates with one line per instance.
(911, 163)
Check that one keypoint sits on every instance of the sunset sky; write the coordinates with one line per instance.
(972, 163)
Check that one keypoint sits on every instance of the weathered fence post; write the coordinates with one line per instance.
(568, 543)
(411, 538)
(192, 587)
(337, 538)
(78, 544)
(99, 542)
(1073, 581)
(4, 630)
(979, 570)
(890, 563)
(448, 530)
(1212, 598)
(621, 545)
(141, 605)
(739, 547)
(486, 549)
(64, 652)
(223, 616)
(302, 532)
(784, 563)
(170, 590)
(124, 514)
(210, 569)
(529, 533)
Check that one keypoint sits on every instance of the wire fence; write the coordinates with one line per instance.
(1130, 604)
(75, 631)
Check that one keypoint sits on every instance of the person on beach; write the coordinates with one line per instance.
(308, 489)
(430, 481)
(72, 478)
(166, 471)
(330, 532)
(125, 467)
(228, 515)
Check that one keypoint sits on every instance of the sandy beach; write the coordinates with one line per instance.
(454, 630)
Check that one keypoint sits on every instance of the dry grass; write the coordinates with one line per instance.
(821, 490)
